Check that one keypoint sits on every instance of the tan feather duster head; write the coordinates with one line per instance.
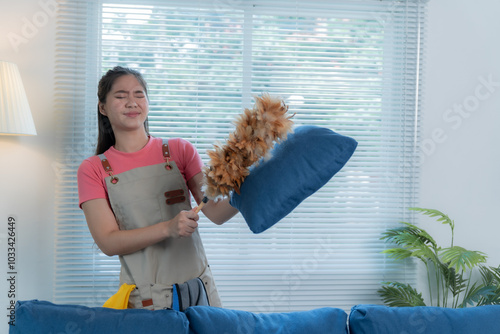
(256, 132)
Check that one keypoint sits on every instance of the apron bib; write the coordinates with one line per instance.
(145, 196)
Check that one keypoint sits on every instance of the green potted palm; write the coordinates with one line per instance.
(452, 272)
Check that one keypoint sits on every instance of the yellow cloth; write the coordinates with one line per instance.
(119, 300)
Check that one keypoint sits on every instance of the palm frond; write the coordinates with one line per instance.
(487, 275)
(412, 246)
(401, 295)
(491, 275)
(496, 272)
(407, 234)
(476, 293)
(493, 299)
(399, 236)
(443, 218)
(398, 253)
(425, 253)
(453, 280)
(461, 258)
(491, 278)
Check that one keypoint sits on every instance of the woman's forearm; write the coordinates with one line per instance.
(122, 242)
(219, 212)
(113, 241)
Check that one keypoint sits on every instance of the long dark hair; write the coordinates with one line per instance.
(106, 137)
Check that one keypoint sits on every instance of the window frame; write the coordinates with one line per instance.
(77, 133)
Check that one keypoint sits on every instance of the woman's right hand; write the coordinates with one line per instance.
(182, 225)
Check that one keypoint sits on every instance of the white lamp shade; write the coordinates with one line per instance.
(15, 114)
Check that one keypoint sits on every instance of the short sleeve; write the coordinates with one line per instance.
(188, 161)
(90, 182)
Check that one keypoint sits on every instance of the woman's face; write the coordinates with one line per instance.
(126, 104)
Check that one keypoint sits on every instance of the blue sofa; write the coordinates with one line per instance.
(44, 317)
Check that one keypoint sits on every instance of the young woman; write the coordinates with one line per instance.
(135, 193)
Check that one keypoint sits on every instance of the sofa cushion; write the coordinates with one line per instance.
(298, 167)
(376, 319)
(213, 320)
(44, 317)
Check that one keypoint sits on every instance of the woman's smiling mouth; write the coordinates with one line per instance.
(132, 114)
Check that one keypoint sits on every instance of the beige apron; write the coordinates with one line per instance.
(145, 196)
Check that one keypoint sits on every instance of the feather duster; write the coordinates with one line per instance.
(256, 132)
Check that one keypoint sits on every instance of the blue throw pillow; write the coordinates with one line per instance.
(298, 167)
(214, 320)
(44, 317)
(376, 319)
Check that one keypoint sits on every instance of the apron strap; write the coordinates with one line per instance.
(166, 154)
(107, 168)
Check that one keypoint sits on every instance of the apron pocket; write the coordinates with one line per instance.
(169, 210)
(151, 297)
(141, 293)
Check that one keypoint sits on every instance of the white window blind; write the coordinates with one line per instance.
(351, 66)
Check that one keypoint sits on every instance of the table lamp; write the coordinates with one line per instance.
(15, 114)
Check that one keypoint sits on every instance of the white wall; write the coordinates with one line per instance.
(460, 170)
(461, 167)
(26, 175)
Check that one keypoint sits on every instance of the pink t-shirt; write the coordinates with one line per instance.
(91, 174)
